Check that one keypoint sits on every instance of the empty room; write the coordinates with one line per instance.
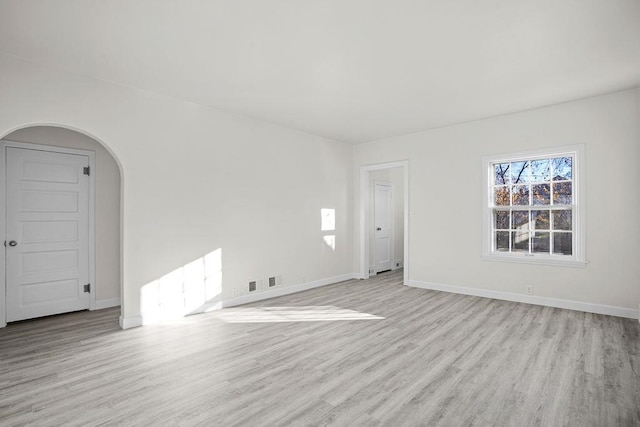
(306, 213)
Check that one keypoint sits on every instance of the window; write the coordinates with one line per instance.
(533, 208)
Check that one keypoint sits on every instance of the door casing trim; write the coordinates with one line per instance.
(364, 215)
(3, 209)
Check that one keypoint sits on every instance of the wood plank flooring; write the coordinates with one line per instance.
(357, 353)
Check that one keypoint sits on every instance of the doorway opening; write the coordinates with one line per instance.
(62, 224)
(384, 218)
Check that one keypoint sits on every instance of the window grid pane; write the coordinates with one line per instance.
(521, 189)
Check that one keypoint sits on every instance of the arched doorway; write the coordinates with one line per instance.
(104, 222)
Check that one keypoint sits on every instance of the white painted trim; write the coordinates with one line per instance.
(129, 322)
(286, 290)
(364, 223)
(106, 303)
(92, 257)
(529, 299)
(364, 215)
(3, 230)
(92, 229)
(534, 260)
(49, 148)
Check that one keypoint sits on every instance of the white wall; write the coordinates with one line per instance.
(196, 181)
(446, 203)
(107, 202)
(396, 177)
(199, 181)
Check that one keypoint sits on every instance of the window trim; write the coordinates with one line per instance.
(578, 259)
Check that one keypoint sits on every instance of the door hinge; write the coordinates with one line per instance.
(86, 170)
(87, 287)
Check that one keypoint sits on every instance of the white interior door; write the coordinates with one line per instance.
(47, 233)
(383, 216)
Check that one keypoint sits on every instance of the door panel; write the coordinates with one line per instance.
(49, 172)
(44, 262)
(49, 201)
(49, 231)
(49, 292)
(383, 199)
(48, 218)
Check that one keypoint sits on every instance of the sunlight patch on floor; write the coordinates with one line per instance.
(291, 314)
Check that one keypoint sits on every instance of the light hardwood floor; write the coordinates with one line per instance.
(357, 353)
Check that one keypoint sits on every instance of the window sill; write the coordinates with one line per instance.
(523, 259)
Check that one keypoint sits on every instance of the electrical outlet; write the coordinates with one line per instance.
(529, 290)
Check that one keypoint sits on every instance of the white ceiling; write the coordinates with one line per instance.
(351, 70)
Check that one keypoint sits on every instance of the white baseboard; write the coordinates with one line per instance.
(130, 322)
(210, 306)
(106, 303)
(134, 321)
(398, 264)
(286, 290)
(529, 299)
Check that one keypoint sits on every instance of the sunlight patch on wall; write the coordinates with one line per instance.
(188, 289)
(328, 219)
(291, 314)
(330, 241)
(328, 223)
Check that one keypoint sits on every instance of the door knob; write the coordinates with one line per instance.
(379, 229)
(13, 243)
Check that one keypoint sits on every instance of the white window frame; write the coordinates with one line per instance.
(578, 258)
